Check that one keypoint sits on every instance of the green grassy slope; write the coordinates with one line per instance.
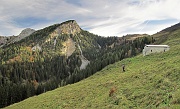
(149, 82)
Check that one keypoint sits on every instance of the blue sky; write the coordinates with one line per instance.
(102, 17)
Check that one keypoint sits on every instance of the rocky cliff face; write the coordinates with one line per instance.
(69, 27)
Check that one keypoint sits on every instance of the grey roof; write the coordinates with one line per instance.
(157, 46)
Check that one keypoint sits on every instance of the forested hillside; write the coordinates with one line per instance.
(149, 82)
(41, 61)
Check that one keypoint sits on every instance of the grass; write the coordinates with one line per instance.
(149, 82)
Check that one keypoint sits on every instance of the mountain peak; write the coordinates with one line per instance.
(69, 27)
(69, 21)
(24, 33)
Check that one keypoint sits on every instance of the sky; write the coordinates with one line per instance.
(101, 17)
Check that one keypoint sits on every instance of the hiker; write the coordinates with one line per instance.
(123, 67)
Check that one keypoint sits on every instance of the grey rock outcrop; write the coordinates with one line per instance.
(36, 48)
(26, 32)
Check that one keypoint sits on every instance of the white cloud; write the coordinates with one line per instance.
(131, 16)
(102, 17)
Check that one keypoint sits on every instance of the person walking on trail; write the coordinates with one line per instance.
(123, 68)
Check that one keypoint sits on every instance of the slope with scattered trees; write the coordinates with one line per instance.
(149, 82)
(25, 72)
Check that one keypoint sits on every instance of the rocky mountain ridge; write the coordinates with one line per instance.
(69, 27)
(6, 40)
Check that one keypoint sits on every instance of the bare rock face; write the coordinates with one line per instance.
(69, 27)
(26, 32)
(68, 47)
(37, 47)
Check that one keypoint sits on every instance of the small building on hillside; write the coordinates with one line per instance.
(148, 49)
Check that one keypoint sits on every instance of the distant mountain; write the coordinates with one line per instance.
(134, 36)
(6, 40)
(26, 32)
(38, 61)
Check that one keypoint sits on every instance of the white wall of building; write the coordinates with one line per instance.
(148, 49)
